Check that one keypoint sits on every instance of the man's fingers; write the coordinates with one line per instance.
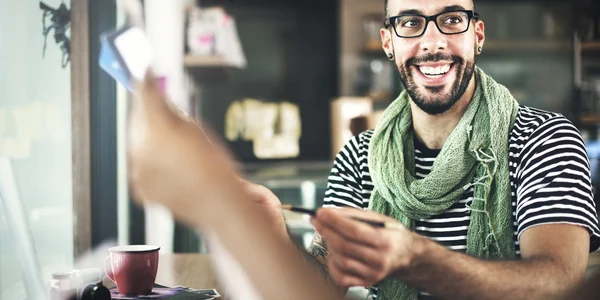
(344, 279)
(355, 268)
(341, 246)
(364, 214)
(353, 230)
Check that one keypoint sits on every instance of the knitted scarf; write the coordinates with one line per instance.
(475, 154)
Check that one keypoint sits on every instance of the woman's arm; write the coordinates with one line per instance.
(173, 162)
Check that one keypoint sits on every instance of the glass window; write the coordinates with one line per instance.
(35, 131)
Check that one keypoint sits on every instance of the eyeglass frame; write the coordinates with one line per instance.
(473, 15)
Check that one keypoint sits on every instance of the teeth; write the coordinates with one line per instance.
(434, 71)
(427, 70)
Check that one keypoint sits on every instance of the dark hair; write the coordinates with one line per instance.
(386, 7)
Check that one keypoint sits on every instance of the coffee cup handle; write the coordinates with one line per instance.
(108, 268)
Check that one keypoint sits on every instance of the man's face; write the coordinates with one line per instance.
(435, 68)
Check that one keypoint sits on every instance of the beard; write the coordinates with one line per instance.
(436, 101)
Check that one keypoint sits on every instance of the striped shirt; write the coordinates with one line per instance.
(549, 178)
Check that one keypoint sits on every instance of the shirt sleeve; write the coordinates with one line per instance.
(344, 187)
(554, 180)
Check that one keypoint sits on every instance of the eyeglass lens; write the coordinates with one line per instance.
(449, 23)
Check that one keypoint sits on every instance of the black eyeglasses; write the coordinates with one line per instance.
(414, 25)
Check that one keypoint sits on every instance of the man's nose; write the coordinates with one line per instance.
(433, 39)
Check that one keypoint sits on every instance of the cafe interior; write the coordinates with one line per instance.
(283, 83)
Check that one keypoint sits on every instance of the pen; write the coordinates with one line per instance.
(313, 213)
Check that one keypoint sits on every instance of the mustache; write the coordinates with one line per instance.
(432, 58)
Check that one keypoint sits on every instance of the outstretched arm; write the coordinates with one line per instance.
(173, 162)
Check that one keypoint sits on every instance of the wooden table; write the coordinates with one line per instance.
(192, 270)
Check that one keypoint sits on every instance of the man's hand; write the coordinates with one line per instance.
(551, 265)
(362, 255)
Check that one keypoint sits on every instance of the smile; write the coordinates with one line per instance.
(434, 71)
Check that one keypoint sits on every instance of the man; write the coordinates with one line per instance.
(495, 198)
(489, 199)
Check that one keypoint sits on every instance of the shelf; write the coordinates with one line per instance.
(590, 47)
(511, 46)
(590, 119)
(207, 68)
(526, 46)
(373, 47)
(200, 61)
(373, 50)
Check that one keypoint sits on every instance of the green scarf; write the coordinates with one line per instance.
(475, 154)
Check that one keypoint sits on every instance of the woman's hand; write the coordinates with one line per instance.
(175, 163)
(268, 202)
(172, 161)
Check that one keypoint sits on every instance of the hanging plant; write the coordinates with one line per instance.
(60, 21)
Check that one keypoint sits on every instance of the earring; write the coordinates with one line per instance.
(479, 49)
(390, 56)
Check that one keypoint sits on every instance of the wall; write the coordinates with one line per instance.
(35, 130)
(351, 42)
(515, 52)
(292, 52)
(542, 76)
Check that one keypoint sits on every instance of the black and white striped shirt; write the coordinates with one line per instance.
(549, 178)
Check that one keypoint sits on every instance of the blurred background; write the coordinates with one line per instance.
(285, 82)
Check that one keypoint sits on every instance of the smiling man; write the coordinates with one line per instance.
(494, 198)
(487, 199)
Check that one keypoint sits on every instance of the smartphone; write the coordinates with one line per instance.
(126, 54)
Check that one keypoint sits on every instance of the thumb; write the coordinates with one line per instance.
(148, 91)
(150, 100)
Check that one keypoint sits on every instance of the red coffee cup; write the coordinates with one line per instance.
(133, 268)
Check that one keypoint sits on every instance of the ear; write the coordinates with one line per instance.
(479, 33)
(386, 41)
